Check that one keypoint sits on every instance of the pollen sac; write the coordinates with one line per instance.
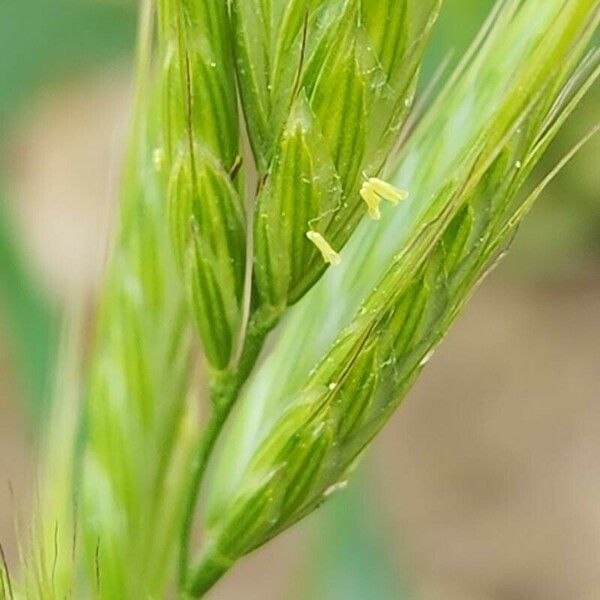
(302, 192)
(330, 256)
(373, 201)
(385, 190)
(374, 190)
(324, 86)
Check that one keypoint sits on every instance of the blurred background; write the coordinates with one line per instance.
(486, 485)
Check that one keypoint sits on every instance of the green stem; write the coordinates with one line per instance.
(223, 395)
(224, 391)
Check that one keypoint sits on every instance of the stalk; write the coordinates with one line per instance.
(223, 392)
(222, 405)
(378, 275)
(303, 423)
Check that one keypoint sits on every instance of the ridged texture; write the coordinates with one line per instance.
(303, 183)
(116, 455)
(140, 429)
(365, 373)
(369, 331)
(200, 159)
(332, 82)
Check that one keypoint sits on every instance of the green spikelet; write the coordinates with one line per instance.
(323, 112)
(325, 86)
(201, 163)
(459, 235)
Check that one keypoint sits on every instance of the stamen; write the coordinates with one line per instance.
(372, 199)
(375, 190)
(329, 254)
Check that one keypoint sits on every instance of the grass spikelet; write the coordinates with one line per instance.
(453, 238)
(215, 244)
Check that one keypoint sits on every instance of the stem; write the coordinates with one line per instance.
(223, 395)
(224, 391)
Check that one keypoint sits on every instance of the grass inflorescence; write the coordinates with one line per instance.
(266, 190)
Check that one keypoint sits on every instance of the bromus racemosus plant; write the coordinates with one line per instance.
(277, 184)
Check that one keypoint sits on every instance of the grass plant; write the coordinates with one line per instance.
(279, 186)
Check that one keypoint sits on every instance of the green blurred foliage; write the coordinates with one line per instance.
(354, 556)
(27, 316)
(560, 241)
(42, 41)
(45, 40)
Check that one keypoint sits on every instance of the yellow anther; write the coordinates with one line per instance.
(387, 191)
(329, 254)
(372, 199)
(375, 190)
